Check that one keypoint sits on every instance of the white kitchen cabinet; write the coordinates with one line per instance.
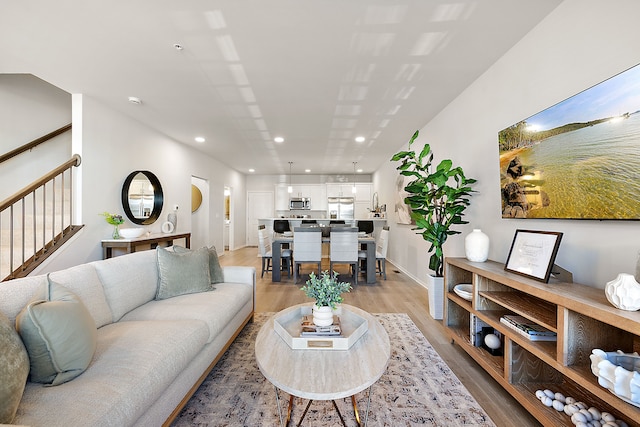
(339, 190)
(363, 192)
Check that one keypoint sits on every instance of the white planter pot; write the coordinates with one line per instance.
(435, 288)
(322, 316)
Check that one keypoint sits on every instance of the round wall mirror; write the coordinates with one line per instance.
(142, 197)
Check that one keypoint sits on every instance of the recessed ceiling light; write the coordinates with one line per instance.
(278, 139)
(199, 139)
(135, 100)
(252, 170)
(359, 171)
(307, 170)
(360, 138)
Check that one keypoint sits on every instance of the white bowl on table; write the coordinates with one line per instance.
(131, 233)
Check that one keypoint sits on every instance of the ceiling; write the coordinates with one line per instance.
(316, 72)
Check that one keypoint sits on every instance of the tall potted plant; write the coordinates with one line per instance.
(438, 199)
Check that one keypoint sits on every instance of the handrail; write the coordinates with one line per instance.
(36, 221)
(29, 145)
(74, 161)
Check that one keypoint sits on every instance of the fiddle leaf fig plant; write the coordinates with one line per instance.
(437, 198)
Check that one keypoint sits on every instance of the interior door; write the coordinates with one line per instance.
(259, 206)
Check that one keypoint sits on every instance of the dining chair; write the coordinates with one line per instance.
(307, 248)
(343, 248)
(264, 249)
(281, 225)
(381, 252)
(365, 226)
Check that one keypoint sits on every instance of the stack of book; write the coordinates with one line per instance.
(527, 328)
(309, 329)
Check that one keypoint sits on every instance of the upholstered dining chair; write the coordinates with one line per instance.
(382, 243)
(264, 251)
(343, 248)
(307, 248)
(365, 226)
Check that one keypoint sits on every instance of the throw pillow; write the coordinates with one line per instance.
(14, 370)
(215, 271)
(182, 273)
(59, 333)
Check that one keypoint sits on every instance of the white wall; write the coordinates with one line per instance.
(581, 43)
(113, 146)
(23, 98)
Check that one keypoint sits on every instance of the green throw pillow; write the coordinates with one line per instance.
(14, 370)
(182, 273)
(215, 271)
(59, 334)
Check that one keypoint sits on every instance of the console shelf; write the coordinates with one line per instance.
(580, 315)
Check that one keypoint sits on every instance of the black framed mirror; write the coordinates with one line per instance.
(142, 197)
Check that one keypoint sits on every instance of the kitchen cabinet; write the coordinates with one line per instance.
(316, 192)
(339, 190)
(363, 192)
(580, 315)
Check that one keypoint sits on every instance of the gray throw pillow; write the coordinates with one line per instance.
(215, 271)
(182, 273)
(14, 370)
(60, 335)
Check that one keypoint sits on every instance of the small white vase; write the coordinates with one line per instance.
(172, 217)
(322, 316)
(476, 246)
(624, 292)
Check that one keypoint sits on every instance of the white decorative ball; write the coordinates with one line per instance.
(492, 341)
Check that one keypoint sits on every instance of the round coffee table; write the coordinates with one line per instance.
(323, 374)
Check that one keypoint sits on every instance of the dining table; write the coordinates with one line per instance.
(281, 239)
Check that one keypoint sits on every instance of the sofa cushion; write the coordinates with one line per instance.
(14, 370)
(215, 308)
(182, 273)
(128, 280)
(84, 282)
(134, 363)
(59, 334)
(16, 293)
(215, 271)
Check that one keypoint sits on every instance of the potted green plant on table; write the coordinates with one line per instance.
(438, 199)
(116, 220)
(327, 292)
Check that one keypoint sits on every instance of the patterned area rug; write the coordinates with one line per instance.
(417, 389)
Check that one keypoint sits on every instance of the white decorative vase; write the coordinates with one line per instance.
(476, 246)
(322, 316)
(624, 292)
(172, 217)
(435, 288)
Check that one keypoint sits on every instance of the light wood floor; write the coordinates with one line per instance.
(398, 294)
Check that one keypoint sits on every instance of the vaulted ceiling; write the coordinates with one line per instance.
(239, 73)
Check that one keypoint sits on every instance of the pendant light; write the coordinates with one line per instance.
(290, 188)
(353, 187)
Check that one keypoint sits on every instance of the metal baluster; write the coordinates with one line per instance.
(23, 243)
(34, 222)
(44, 218)
(11, 241)
(53, 211)
(62, 207)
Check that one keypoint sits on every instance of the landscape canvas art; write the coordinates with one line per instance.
(579, 159)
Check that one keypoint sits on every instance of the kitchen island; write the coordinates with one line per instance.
(378, 223)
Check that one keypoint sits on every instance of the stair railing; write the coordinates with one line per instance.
(36, 221)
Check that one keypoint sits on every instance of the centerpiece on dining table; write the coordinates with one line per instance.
(327, 291)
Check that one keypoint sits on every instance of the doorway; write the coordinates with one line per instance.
(227, 234)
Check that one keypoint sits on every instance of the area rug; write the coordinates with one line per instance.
(418, 388)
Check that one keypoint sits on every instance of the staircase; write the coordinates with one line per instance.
(37, 220)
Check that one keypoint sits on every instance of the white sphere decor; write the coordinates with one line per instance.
(476, 246)
(492, 341)
(624, 292)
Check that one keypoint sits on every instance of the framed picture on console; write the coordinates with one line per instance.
(533, 253)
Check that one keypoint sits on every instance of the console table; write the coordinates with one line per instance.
(580, 315)
(152, 240)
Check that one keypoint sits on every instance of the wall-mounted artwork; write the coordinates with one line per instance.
(579, 159)
(402, 210)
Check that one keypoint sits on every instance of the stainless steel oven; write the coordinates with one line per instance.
(299, 203)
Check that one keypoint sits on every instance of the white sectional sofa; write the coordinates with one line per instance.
(151, 354)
